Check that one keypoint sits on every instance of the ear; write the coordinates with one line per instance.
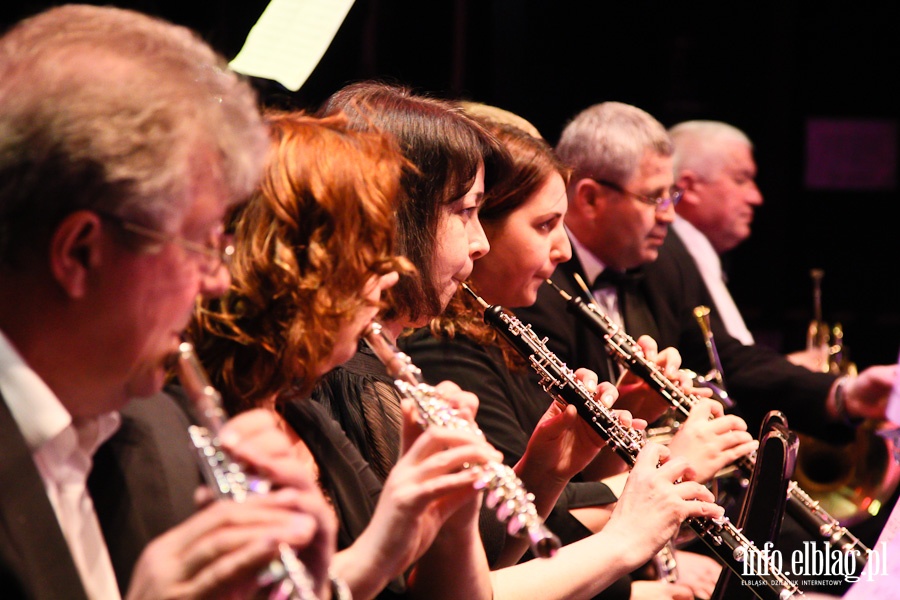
(688, 181)
(584, 196)
(75, 249)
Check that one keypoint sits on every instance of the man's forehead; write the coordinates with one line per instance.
(653, 165)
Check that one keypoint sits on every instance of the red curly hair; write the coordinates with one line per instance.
(319, 227)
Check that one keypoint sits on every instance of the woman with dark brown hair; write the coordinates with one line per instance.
(439, 229)
(523, 219)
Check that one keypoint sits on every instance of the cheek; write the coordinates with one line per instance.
(452, 254)
(170, 302)
(533, 257)
(646, 220)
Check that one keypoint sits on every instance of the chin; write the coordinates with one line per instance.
(526, 299)
(339, 357)
(145, 386)
(523, 297)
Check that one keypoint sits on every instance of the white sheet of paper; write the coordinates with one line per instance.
(289, 39)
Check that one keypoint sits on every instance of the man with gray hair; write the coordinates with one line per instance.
(714, 166)
(123, 141)
(622, 200)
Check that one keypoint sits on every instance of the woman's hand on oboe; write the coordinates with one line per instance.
(564, 445)
(658, 496)
(635, 394)
(710, 444)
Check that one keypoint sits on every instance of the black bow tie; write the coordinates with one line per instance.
(611, 278)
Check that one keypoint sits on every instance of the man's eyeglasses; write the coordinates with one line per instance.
(217, 253)
(661, 203)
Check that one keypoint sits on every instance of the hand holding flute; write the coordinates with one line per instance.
(220, 551)
(514, 505)
(271, 529)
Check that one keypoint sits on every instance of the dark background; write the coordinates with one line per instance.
(770, 68)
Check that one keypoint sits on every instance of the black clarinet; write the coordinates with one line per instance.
(726, 541)
(506, 494)
(625, 350)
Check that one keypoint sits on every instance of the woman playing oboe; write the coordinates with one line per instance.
(439, 231)
(523, 221)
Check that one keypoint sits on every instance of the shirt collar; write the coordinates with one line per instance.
(699, 247)
(592, 265)
(37, 411)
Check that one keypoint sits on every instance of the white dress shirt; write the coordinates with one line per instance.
(710, 266)
(607, 298)
(63, 451)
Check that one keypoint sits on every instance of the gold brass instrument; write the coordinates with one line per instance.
(626, 351)
(287, 577)
(851, 481)
(730, 483)
(824, 344)
(666, 426)
(714, 379)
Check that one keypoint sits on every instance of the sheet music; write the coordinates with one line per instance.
(289, 39)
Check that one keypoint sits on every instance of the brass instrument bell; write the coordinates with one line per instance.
(851, 481)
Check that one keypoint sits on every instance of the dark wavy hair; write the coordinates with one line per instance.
(445, 147)
(532, 162)
(320, 225)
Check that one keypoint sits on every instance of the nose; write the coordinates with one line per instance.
(215, 283)
(561, 251)
(667, 215)
(478, 242)
(755, 197)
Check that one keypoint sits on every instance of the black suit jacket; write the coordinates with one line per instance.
(142, 484)
(757, 378)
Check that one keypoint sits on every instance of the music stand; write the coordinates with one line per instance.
(763, 508)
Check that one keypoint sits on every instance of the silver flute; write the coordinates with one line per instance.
(733, 548)
(286, 576)
(505, 492)
(624, 349)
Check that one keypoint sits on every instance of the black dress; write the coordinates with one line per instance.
(345, 477)
(360, 396)
(509, 408)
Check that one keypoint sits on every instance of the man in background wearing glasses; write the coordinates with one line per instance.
(622, 202)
